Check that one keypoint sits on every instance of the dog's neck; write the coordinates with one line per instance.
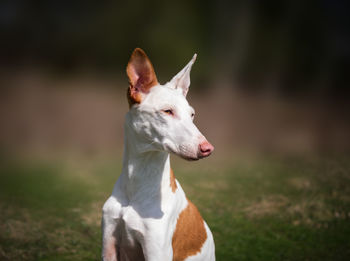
(145, 174)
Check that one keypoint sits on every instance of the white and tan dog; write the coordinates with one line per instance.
(148, 216)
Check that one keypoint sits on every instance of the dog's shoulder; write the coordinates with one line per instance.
(190, 233)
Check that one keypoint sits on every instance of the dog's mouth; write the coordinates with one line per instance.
(190, 158)
(183, 153)
(185, 157)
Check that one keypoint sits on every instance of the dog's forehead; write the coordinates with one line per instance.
(165, 95)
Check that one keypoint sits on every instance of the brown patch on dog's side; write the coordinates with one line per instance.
(141, 76)
(172, 181)
(190, 233)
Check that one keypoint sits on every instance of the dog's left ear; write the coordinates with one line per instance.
(141, 76)
(182, 79)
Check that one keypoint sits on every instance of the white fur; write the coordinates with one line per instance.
(140, 216)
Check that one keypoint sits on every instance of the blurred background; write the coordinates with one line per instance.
(271, 78)
(270, 75)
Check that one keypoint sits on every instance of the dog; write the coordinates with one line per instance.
(148, 216)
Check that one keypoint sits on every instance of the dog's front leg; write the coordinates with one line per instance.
(109, 242)
(156, 249)
(158, 256)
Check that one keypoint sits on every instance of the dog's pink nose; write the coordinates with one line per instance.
(205, 149)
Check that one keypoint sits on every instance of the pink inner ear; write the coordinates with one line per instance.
(133, 76)
(140, 72)
(141, 76)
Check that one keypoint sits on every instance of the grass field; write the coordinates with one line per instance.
(258, 209)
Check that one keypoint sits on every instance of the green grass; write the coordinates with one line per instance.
(262, 209)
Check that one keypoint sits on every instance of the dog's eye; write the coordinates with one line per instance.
(192, 115)
(169, 112)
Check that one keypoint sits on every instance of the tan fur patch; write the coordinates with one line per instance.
(172, 181)
(141, 76)
(133, 97)
(190, 233)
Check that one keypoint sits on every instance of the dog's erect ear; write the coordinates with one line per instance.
(141, 76)
(182, 79)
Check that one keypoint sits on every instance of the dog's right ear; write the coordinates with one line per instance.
(141, 76)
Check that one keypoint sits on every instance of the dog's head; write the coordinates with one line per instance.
(160, 114)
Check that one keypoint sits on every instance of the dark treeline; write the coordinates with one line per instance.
(284, 46)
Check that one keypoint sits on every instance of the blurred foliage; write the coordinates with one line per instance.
(286, 46)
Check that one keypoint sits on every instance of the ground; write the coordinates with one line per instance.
(261, 208)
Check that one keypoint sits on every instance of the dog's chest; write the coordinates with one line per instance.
(130, 227)
(137, 224)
